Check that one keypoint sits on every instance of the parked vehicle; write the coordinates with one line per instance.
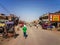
(44, 26)
(21, 23)
(10, 28)
(3, 28)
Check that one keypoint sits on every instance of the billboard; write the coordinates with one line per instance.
(54, 17)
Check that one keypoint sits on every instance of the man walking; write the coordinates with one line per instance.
(24, 28)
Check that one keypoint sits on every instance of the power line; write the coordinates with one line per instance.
(4, 8)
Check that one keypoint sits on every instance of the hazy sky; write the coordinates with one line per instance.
(29, 10)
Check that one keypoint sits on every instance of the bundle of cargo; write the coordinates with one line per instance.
(10, 28)
(3, 28)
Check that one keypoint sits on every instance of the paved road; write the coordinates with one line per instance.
(36, 37)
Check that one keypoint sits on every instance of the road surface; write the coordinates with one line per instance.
(35, 37)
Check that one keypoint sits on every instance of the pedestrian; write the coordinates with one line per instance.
(24, 28)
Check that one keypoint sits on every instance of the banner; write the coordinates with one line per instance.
(54, 17)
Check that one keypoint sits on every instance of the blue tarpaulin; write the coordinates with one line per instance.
(10, 22)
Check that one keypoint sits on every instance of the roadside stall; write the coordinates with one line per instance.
(54, 18)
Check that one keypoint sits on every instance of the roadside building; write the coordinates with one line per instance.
(44, 17)
(54, 18)
(2, 16)
(51, 19)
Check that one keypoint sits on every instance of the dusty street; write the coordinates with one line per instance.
(35, 37)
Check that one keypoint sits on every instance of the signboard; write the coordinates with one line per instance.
(54, 17)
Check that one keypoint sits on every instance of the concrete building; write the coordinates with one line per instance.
(46, 17)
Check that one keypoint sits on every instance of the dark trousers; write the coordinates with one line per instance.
(24, 34)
